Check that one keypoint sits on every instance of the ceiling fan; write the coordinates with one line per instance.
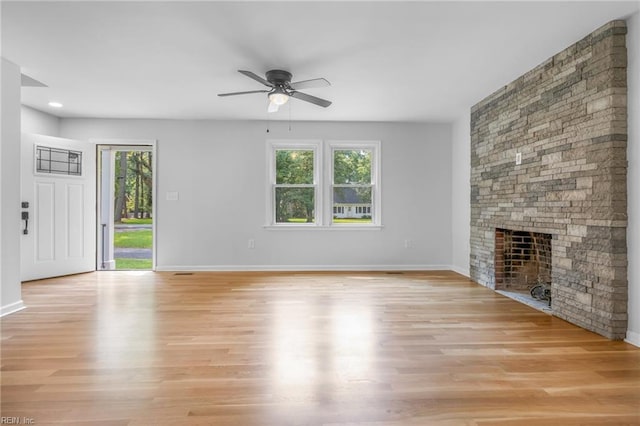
(281, 88)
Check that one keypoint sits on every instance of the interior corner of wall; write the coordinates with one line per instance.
(633, 338)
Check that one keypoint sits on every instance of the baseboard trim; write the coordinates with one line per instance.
(633, 338)
(11, 308)
(293, 268)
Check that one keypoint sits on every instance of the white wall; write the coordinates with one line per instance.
(219, 170)
(10, 293)
(38, 122)
(633, 177)
(461, 186)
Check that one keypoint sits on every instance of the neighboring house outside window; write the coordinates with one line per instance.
(347, 203)
(314, 187)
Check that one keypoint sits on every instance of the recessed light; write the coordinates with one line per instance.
(55, 104)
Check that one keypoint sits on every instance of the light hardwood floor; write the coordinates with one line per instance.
(243, 349)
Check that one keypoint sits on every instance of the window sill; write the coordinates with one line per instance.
(323, 227)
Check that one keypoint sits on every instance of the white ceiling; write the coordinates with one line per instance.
(387, 61)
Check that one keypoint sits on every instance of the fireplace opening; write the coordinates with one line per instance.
(523, 263)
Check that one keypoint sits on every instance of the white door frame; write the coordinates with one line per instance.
(127, 145)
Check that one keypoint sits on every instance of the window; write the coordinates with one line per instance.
(58, 161)
(294, 183)
(309, 186)
(351, 184)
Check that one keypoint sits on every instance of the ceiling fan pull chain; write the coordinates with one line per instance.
(268, 122)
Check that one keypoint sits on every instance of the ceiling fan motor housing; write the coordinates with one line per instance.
(278, 77)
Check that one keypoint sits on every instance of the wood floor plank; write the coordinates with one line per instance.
(304, 348)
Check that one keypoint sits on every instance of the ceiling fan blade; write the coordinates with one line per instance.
(317, 101)
(306, 84)
(256, 77)
(243, 93)
(273, 107)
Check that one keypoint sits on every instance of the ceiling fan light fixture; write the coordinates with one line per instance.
(278, 96)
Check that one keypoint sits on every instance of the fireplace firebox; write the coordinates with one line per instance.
(522, 260)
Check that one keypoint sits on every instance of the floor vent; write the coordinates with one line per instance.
(394, 273)
(183, 273)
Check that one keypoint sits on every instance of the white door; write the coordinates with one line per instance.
(59, 185)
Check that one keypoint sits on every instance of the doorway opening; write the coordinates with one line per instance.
(126, 227)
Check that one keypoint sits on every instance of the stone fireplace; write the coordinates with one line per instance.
(548, 157)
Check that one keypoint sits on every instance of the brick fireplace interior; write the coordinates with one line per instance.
(548, 156)
(522, 260)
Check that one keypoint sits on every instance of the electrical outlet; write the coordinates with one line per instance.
(407, 243)
(251, 244)
(518, 158)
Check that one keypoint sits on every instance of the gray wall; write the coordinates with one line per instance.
(38, 122)
(460, 193)
(10, 294)
(219, 170)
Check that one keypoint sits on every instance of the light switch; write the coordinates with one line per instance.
(172, 196)
(518, 158)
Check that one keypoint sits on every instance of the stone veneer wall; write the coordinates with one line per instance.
(568, 118)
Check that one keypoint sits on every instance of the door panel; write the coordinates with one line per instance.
(75, 230)
(43, 219)
(61, 234)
